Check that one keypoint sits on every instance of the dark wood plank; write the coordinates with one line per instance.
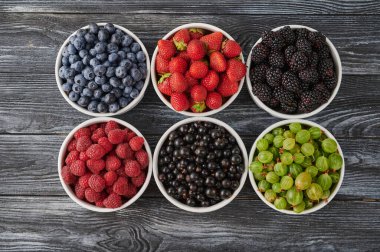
(30, 41)
(240, 226)
(200, 7)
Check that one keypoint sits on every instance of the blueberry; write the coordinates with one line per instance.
(100, 70)
(126, 40)
(100, 47)
(110, 72)
(93, 106)
(71, 49)
(134, 66)
(102, 107)
(74, 58)
(79, 79)
(139, 85)
(93, 27)
(143, 71)
(94, 62)
(77, 66)
(113, 57)
(67, 87)
(115, 82)
(109, 98)
(98, 93)
(88, 46)
(65, 53)
(112, 48)
(90, 38)
(72, 38)
(70, 81)
(122, 54)
(88, 73)
(114, 107)
(83, 101)
(122, 86)
(142, 65)
(131, 56)
(126, 63)
(83, 53)
(69, 73)
(87, 92)
(136, 74)
(116, 38)
(81, 32)
(134, 93)
(61, 71)
(92, 52)
(73, 96)
(140, 56)
(107, 63)
(120, 32)
(121, 72)
(110, 28)
(127, 91)
(127, 81)
(103, 35)
(106, 88)
(123, 102)
(102, 57)
(86, 60)
(135, 47)
(92, 85)
(100, 80)
(126, 49)
(117, 92)
(79, 43)
(77, 88)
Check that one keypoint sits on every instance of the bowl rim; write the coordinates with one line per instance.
(322, 203)
(338, 71)
(208, 27)
(132, 104)
(184, 206)
(61, 156)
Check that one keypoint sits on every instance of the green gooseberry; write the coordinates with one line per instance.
(288, 134)
(329, 145)
(303, 181)
(256, 167)
(314, 192)
(307, 162)
(280, 203)
(295, 127)
(296, 149)
(295, 170)
(265, 156)
(312, 170)
(326, 195)
(315, 132)
(269, 137)
(294, 196)
(270, 195)
(298, 158)
(263, 185)
(278, 141)
(272, 177)
(262, 144)
(289, 143)
(303, 136)
(286, 158)
(278, 131)
(307, 149)
(281, 169)
(286, 182)
(334, 177)
(325, 181)
(259, 175)
(276, 187)
(322, 164)
(300, 207)
(335, 161)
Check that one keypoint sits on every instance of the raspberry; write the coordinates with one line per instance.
(131, 191)
(83, 181)
(67, 176)
(139, 180)
(97, 134)
(99, 203)
(143, 159)
(112, 201)
(121, 186)
(78, 168)
(79, 191)
(110, 177)
(105, 143)
(72, 145)
(83, 143)
(111, 125)
(97, 183)
(124, 151)
(116, 136)
(136, 143)
(91, 195)
(71, 157)
(95, 151)
(109, 189)
(93, 127)
(82, 132)
(83, 156)
(112, 163)
(121, 172)
(130, 135)
(95, 165)
(132, 168)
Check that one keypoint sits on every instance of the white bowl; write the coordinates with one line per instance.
(61, 161)
(176, 202)
(154, 77)
(338, 71)
(132, 104)
(322, 203)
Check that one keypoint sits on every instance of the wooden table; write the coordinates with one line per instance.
(35, 212)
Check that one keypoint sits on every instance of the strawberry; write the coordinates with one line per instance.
(96, 183)
(196, 33)
(83, 143)
(132, 168)
(235, 70)
(82, 132)
(124, 151)
(197, 107)
(78, 168)
(95, 165)
(214, 100)
(112, 163)
(139, 180)
(211, 80)
(179, 101)
(184, 56)
(227, 87)
(136, 143)
(218, 62)
(181, 38)
(198, 69)
(198, 93)
(116, 136)
(231, 49)
(164, 84)
(190, 80)
(196, 49)
(112, 201)
(143, 158)
(213, 41)
(110, 177)
(67, 176)
(178, 83)
(178, 64)
(162, 64)
(166, 48)
(110, 125)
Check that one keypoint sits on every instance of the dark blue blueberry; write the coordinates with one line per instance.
(92, 85)
(110, 72)
(83, 53)
(121, 72)
(139, 85)
(117, 92)
(79, 43)
(88, 73)
(93, 106)
(134, 66)
(142, 65)
(127, 91)
(74, 58)
(131, 56)
(106, 88)
(61, 71)
(107, 63)
(113, 57)
(70, 81)
(72, 38)
(90, 38)
(81, 32)
(83, 101)
(65, 53)
(115, 82)
(71, 49)
(127, 81)
(143, 71)
(92, 52)
(88, 46)
(100, 47)
(78, 66)
(69, 73)
(73, 96)
(140, 56)
(103, 35)
(136, 74)
(79, 79)
(100, 70)
(109, 98)
(94, 62)
(87, 92)
(100, 80)
(123, 102)
(116, 38)
(98, 93)
(120, 32)
(86, 60)
(110, 28)
(102, 57)
(77, 88)
(114, 107)
(126, 40)
(102, 107)
(112, 48)
(126, 49)
(122, 86)
(134, 93)
(93, 27)
(135, 47)
(126, 63)
(122, 54)
(67, 87)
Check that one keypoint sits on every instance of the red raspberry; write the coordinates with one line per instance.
(71, 157)
(110, 177)
(143, 159)
(124, 151)
(132, 190)
(102, 125)
(82, 132)
(83, 181)
(99, 203)
(93, 127)
(97, 183)
(136, 143)
(121, 186)
(105, 143)
(111, 125)
(132, 168)
(116, 136)
(83, 143)
(78, 168)
(83, 156)
(79, 191)
(130, 135)
(112, 201)
(91, 195)
(139, 180)
(109, 189)
(97, 134)
(95, 151)
(67, 176)
(112, 163)
(121, 172)
(95, 165)
(72, 145)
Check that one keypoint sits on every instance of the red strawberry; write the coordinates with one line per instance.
(121, 186)
(132, 190)
(196, 49)
(211, 81)
(96, 182)
(214, 100)
(110, 177)
(78, 168)
(143, 158)
(83, 181)
(71, 157)
(198, 69)
(79, 191)
(218, 62)
(196, 33)
(231, 49)
(95, 151)
(181, 38)
(111, 125)
(164, 84)
(98, 133)
(132, 168)
(179, 101)
(190, 80)
(95, 165)
(83, 156)
(136, 143)
(235, 70)
(91, 195)
(197, 107)
(162, 64)
(227, 87)
(112, 163)
(178, 64)
(72, 145)
(116, 136)
(105, 143)
(198, 93)
(83, 143)
(67, 176)
(213, 41)
(112, 201)
(139, 180)
(166, 48)
(184, 56)
(82, 132)
(178, 83)
(124, 151)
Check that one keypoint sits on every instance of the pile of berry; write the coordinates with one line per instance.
(105, 164)
(200, 164)
(198, 71)
(103, 69)
(292, 70)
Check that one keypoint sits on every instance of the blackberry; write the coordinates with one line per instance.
(324, 52)
(284, 96)
(305, 86)
(273, 103)
(313, 59)
(289, 108)
(317, 39)
(259, 72)
(262, 91)
(259, 53)
(289, 51)
(290, 82)
(309, 75)
(310, 100)
(323, 92)
(330, 82)
(288, 35)
(304, 45)
(273, 40)
(302, 33)
(298, 62)
(276, 59)
(326, 68)
(273, 76)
